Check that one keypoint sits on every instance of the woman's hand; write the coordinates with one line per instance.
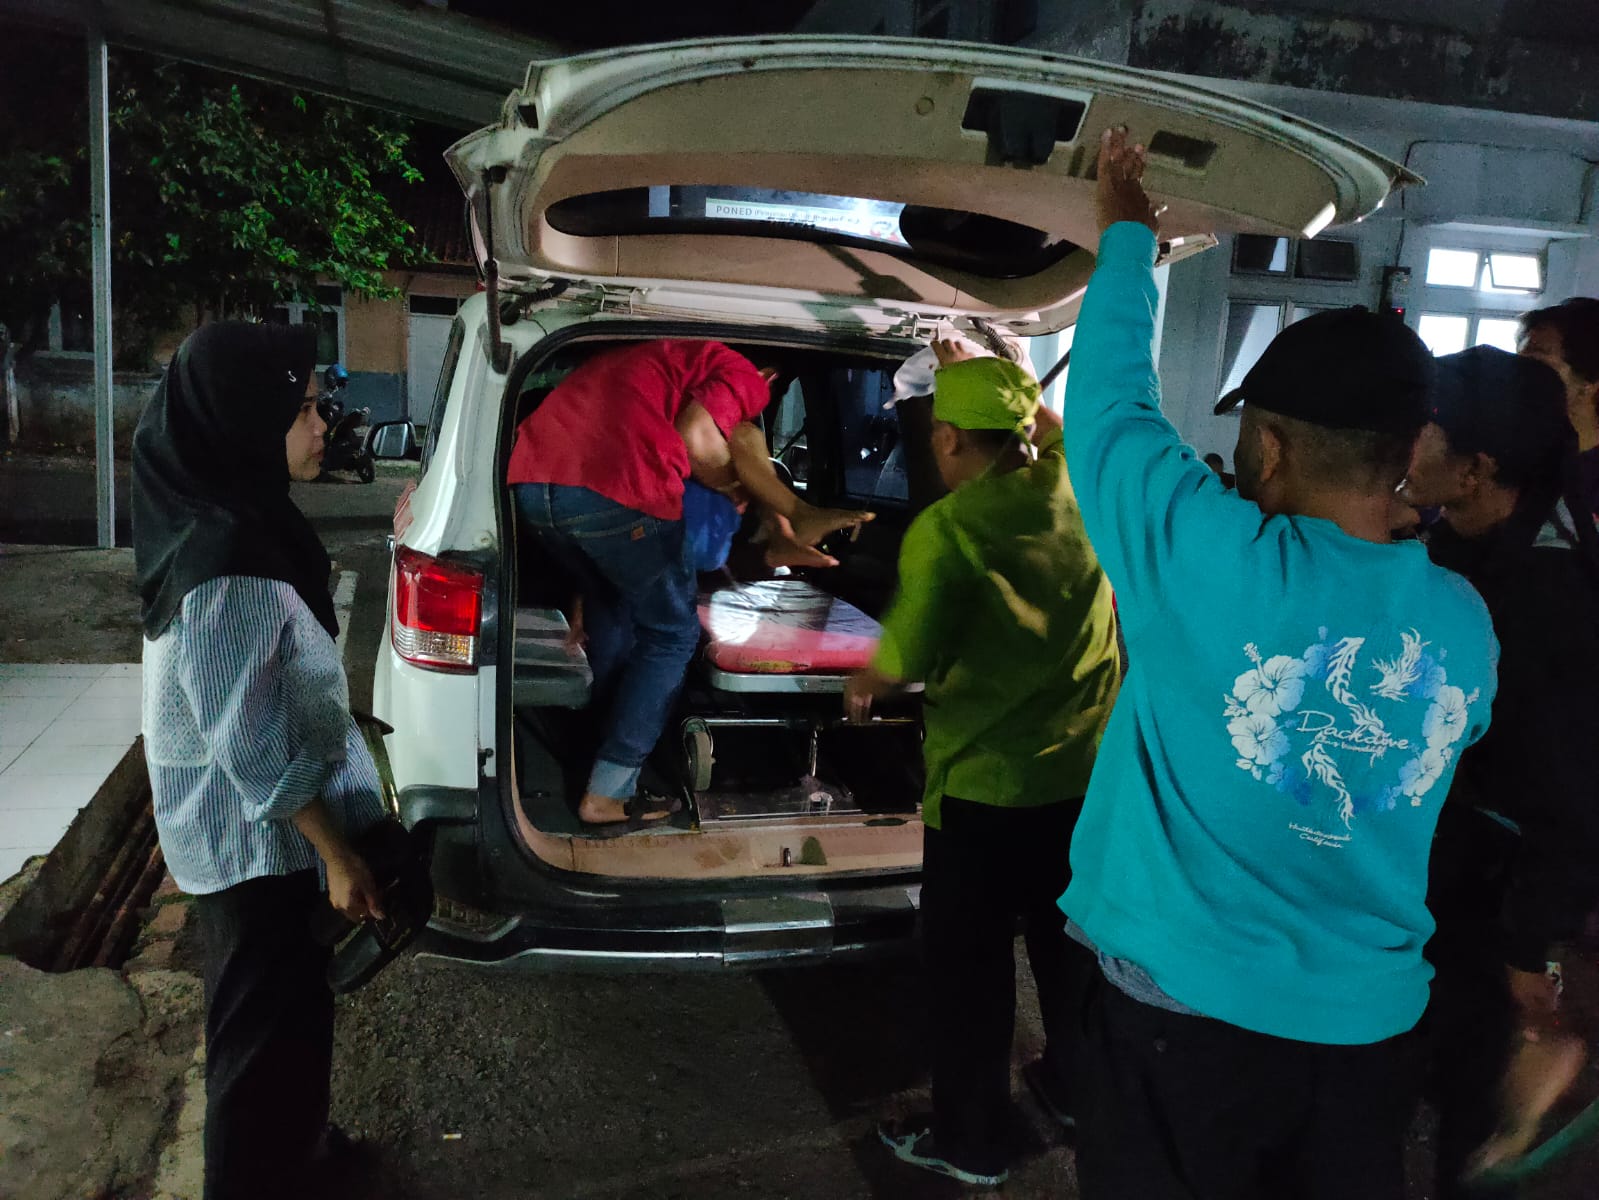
(351, 888)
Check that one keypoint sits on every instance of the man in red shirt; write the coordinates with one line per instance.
(598, 470)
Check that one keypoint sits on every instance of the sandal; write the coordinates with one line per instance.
(638, 811)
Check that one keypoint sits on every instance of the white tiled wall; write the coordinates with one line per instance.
(63, 727)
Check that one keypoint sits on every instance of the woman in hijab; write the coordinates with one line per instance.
(258, 772)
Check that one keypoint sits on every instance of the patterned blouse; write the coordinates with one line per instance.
(246, 718)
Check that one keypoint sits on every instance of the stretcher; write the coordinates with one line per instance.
(776, 638)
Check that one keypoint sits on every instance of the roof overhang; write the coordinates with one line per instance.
(410, 59)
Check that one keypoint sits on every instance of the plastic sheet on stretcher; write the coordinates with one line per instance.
(785, 627)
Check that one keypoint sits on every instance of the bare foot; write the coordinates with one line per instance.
(783, 549)
(810, 525)
(1539, 1073)
(608, 810)
(576, 635)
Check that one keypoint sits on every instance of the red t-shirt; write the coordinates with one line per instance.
(609, 425)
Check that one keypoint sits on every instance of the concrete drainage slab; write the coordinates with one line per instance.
(101, 1071)
(79, 905)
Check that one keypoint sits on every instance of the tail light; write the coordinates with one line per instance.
(438, 612)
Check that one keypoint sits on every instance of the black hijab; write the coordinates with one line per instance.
(211, 475)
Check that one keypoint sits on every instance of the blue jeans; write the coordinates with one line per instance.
(639, 591)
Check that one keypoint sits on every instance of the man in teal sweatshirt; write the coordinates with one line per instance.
(1251, 863)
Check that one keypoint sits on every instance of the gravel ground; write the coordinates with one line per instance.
(707, 1086)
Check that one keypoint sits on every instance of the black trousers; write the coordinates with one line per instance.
(268, 1037)
(984, 870)
(1471, 1015)
(1186, 1108)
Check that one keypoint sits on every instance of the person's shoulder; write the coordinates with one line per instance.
(934, 527)
(936, 516)
(1552, 586)
(1038, 488)
(1452, 596)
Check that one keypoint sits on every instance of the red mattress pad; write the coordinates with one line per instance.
(785, 627)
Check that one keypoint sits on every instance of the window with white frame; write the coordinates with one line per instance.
(327, 315)
(1251, 325)
(1473, 289)
(1277, 281)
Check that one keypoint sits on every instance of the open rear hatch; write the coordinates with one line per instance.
(872, 180)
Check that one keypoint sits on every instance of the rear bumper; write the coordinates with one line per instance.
(777, 930)
(545, 920)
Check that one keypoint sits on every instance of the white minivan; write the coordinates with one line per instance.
(822, 205)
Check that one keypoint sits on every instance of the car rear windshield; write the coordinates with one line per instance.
(983, 245)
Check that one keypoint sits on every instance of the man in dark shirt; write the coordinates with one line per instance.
(1565, 336)
(1515, 865)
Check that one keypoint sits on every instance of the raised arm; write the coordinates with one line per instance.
(1150, 506)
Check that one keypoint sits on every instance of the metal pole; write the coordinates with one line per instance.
(100, 226)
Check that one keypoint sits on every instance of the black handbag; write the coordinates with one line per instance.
(399, 861)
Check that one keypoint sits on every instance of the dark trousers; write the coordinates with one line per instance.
(268, 1036)
(983, 870)
(1186, 1108)
(1471, 1015)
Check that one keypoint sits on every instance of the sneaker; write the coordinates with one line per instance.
(912, 1142)
(1049, 1093)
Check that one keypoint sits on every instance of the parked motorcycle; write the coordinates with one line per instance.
(347, 435)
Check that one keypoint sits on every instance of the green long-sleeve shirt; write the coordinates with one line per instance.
(1004, 614)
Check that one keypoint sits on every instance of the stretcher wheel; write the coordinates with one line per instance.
(699, 753)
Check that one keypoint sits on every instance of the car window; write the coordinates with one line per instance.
(441, 394)
(986, 245)
(872, 450)
(787, 433)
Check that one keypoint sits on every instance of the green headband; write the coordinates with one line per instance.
(985, 393)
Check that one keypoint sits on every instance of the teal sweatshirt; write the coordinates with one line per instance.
(1257, 827)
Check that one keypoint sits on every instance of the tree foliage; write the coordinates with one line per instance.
(227, 195)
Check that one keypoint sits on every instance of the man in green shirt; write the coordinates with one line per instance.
(1005, 616)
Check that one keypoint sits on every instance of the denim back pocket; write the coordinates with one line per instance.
(622, 523)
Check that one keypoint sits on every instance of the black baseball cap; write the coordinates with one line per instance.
(1507, 406)
(1348, 368)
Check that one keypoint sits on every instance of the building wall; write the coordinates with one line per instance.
(55, 395)
(375, 330)
(374, 335)
(376, 339)
(1500, 179)
(459, 283)
(1532, 56)
(374, 354)
(56, 390)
